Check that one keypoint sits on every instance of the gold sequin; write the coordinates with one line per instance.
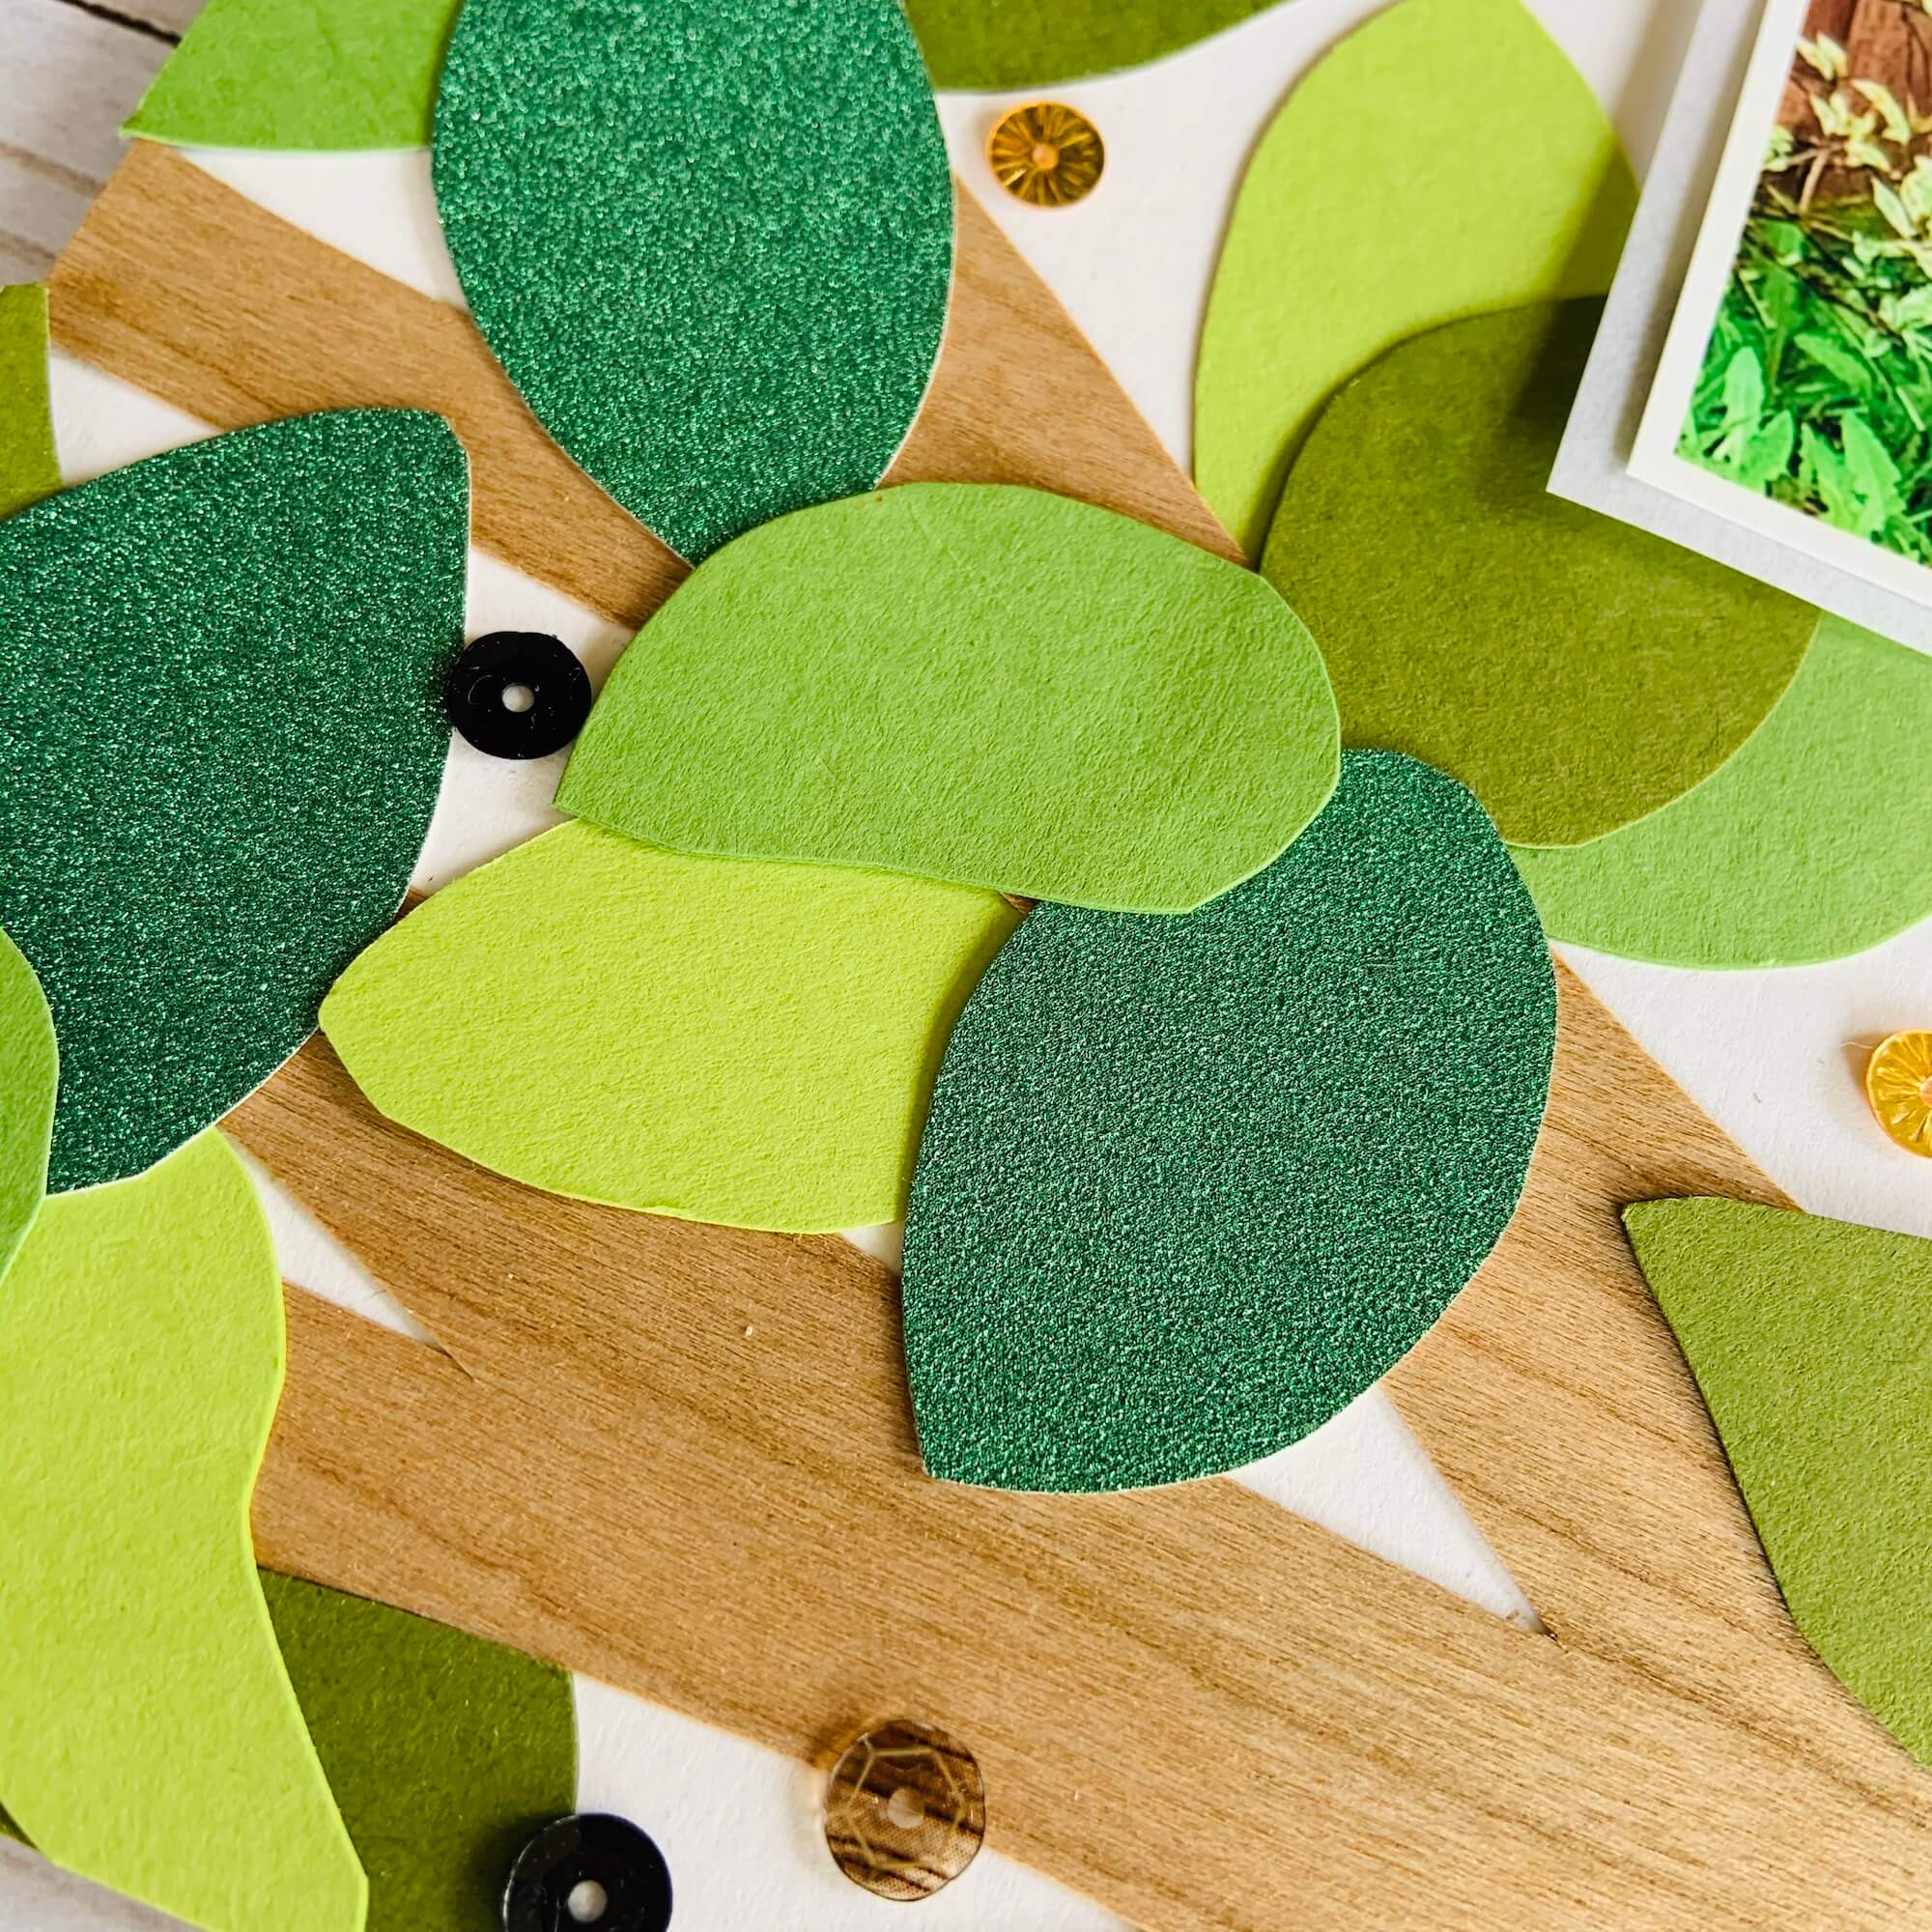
(905, 1811)
(1898, 1084)
(1046, 154)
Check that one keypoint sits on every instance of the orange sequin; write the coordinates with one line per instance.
(1898, 1084)
(1046, 154)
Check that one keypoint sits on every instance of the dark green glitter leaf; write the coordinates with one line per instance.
(709, 239)
(1191, 1184)
(221, 741)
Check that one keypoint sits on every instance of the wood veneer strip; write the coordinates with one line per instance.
(680, 1458)
(182, 286)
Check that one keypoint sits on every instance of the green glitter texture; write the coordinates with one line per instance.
(709, 239)
(1189, 1185)
(222, 741)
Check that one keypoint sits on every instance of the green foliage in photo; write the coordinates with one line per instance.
(1816, 387)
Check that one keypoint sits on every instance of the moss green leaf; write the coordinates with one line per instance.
(1443, 159)
(327, 74)
(1807, 1340)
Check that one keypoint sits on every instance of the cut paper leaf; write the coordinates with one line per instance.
(445, 1753)
(748, 1044)
(329, 74)
(1576, 674)
(1807, 1340)
(984, 46)
(1191, 1185)
(1343, 242)
(29, 1073)
(29, 469)
(710, 243)
(991, 686)
(1796, 851)
(222, 745)
(149, 1737)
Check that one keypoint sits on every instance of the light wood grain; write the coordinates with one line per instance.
(191, 291)
(679, 1459)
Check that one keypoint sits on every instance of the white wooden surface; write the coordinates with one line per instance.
(1772, 1056)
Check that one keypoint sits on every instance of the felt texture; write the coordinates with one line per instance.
(445, 1753)
(223, 743)
(1344, 239)
(327, 74)
(1575, 673)
(28, 467)
(29, 1074)
(1188, 1186)
(741, 1043)
(992, 686)
(1796, 851)
(1807, 1340)
(149, 1738)
(982, 46)
(710, 241)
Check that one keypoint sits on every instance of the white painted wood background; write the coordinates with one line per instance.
(69, 74)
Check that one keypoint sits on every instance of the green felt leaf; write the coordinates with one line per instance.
(709, 239)
(1796, 851)
(149, 1738)
(28, 467)
(1344, 240)
(445, 1753)
(1575, 673)
(1807, 1340)
(750, 1044)
(29, 1071)
(979, 45)
(984, 685)
(223, 742)
(1189, 1185)
(325, 75)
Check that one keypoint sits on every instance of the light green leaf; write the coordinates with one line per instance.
(1744, 390)
(1341, 246)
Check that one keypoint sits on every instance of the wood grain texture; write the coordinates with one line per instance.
(178, 284)
(680, 1458)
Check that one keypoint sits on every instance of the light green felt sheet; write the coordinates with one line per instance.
(149, 1738)
(1808, 1337)
(744, 1043)
(325, 75)
(29, 1076)
(1802, 849)
(1443, 159)
(974, 683)
(709, 240)
(445, 1753)
(1574, 672)
(1189, 1185)
(29, 469)
(984, 45)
